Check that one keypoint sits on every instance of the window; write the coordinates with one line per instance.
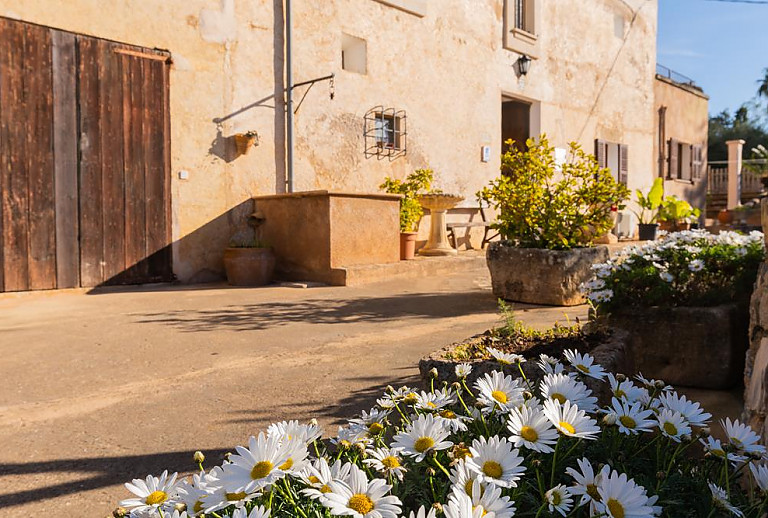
(521, 19)
(615, 157)
(385, 133)
(354, 54)
(686, 161)
(524, 15)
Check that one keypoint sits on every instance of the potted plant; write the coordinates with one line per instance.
(244, 141)
(676, 214)
(684, 302)
(249, 263)
(549, 215)
(416, 183)
(648, 214)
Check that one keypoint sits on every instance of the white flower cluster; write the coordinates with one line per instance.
(691, 241)
(475, 452)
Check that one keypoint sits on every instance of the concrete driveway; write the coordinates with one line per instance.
(100, 388)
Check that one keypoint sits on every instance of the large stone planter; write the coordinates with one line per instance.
(612, 353)
(540, 276)
(249, 266)
(688, 346)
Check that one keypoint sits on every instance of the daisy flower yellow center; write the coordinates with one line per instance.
(584, 369)
(447, 414)
(503, 361)
(410, 399)
(556, 498)
(619, 393)
(492, 469)
(313, 479)
(198, 507)
(736, 442)
(234, 497)
(156, 497)
(286, 465)
(261, 469)
(529, 434)
(719, 453)
(390, 462)
(592, 492)
(499, 396)
(325, 489)
(468, 487)
(617, 510)
(430, 404)
(422, 444)
(461, 452)
(558, 397)
(670, 428)
(376, 428)
(627, 421)
(568, 427)
(360, 503)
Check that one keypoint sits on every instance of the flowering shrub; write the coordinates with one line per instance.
(690, 268)
(498, 449)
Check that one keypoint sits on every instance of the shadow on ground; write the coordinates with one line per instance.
(266, 315)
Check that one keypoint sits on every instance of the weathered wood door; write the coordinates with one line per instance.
(84, 161)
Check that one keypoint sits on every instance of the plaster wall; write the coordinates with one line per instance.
(687, 120)
(448, 69)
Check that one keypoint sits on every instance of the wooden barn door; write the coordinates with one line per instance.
(84, 161)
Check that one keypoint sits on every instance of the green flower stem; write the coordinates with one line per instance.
(464, 384)
(541, 509)
(289, 495)
(525, 378)
(554, 463)
(540, 483)
(437, 463)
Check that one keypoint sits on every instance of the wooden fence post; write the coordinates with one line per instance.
(735, 164)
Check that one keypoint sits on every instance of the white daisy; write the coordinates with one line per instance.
(559, 499)
(505, 358)
(625, 389)
(562, 388)
(760, 474)
(349, 436)
(257, 512)
(550, 365)
(690, 410)
(460, 506)
(631, 418)
(488, 499)
(570, 420)
(715, 447)
(151, 493)
(462, 477)
(463, 370)
(531, 428)
(374, 421)
(422, 513)
(455, 422)
(495, 390)
(361, 498)
(741, 436)
(621, 497)
(495, 461)
(193, 495)
(423, 435)
(319, 475)
(434, 401)
(585, 364)
(586, 483)
(720, 499)
(387, 461)
(673, 424)
(696, 265)
(290, 430)
(258, 466)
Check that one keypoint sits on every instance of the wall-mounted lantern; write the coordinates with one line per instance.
(523, 64)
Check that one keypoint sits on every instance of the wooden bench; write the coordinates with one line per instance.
(488, 233)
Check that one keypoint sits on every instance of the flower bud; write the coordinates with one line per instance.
(620, 377)
(659, 384)
(227, 456)
(756, 455)
(198, 457)
(705, 432)
(609, 419)
(390, 389)
(536, 463)
(661, 475)
(527, 395)
(431, 472)
(479, 405)
(686, 438)
(360, 446)
(456, 386)
(437, 506)
(120, 512)
(180, 507)
(313, 422)
(433, 373)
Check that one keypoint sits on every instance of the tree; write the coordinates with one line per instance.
(724, 127)
(762, 90)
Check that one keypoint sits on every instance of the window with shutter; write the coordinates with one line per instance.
(685, 161)
(623, 164)
(601, 152)
(698, 161)
(673, 154)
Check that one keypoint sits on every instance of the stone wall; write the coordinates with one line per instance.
(442, 61)
(756, 372)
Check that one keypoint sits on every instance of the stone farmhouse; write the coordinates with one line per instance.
(119, 161)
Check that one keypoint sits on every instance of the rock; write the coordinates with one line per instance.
(541, 276)
(756, 369)
(699, 347)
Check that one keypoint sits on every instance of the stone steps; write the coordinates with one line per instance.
(418, 267)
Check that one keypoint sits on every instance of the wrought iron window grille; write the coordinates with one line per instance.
(385, 133)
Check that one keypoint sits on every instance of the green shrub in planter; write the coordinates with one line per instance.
(418, 182)
(543, 204)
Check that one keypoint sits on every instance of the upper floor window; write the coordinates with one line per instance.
(521, 19)
(524, 11)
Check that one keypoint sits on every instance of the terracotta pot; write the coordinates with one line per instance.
(244, 142)
(725, 217)
(671, 226)
(408, 245)
(249, 266)
(647, 231)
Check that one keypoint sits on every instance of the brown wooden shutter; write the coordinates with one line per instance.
(697, 162)
(623, 164)
(674, 170)
(601, 152)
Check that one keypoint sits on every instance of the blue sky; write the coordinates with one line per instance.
(723, 46)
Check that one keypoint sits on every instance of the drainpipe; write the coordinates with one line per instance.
(289, 98)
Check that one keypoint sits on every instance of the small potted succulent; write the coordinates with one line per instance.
(249, 263)
(244, 141)
(416, 183)
(648, 214)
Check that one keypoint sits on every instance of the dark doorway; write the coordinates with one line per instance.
(84, 160)
(515, 123)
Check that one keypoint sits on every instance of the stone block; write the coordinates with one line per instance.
(540, 276)
(701, 347)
